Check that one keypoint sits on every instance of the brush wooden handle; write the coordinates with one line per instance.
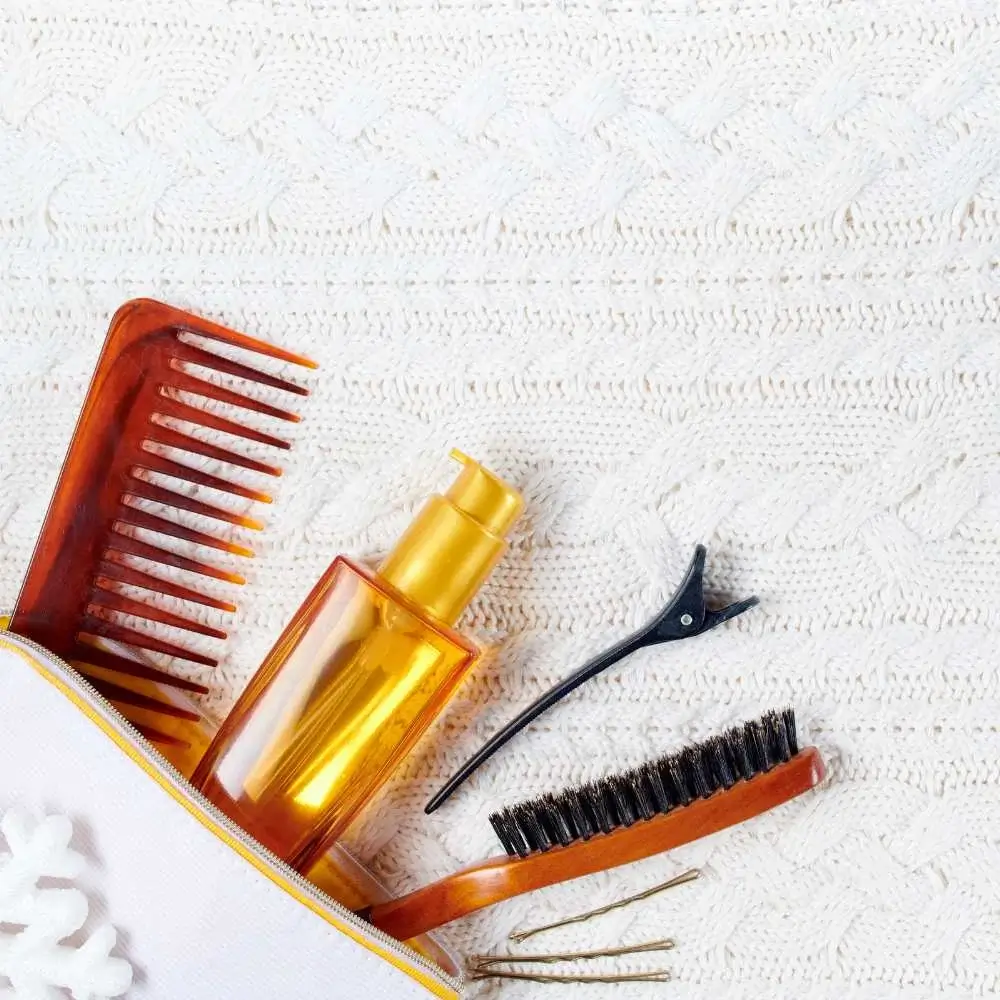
(503, 877)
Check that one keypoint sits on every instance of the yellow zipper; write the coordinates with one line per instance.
(155, 765)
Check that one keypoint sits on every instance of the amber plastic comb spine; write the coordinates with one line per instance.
(87, 544)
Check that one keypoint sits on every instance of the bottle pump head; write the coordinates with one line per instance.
(454, 542)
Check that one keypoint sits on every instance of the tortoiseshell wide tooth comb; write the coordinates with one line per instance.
(87, 547)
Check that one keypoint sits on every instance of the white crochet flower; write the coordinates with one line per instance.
(38, 917)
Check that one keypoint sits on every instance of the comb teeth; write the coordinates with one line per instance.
(136, 409)
(120, 573)
(114, 601)
(85, 656)
(163, 526)
(126, 696)
(185, 442)
(657, 787)
(92, 625)
(185, 382)
(176, 470)
(143, 490)
(189, 323)
(137, 547)
(195, 355)
(170, 406)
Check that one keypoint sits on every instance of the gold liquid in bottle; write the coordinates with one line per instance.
(363, 668)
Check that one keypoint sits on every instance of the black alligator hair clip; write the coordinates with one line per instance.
(685, 615)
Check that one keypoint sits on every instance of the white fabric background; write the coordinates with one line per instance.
(686, 271)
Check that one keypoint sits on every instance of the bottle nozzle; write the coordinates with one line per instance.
(488, 500)
(454, 542)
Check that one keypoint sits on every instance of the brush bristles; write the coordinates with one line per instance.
(643, 792)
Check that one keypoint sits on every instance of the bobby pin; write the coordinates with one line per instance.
(655, 976)
(481, 962)
(688, 876)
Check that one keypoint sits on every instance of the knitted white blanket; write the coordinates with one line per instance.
(687, 271)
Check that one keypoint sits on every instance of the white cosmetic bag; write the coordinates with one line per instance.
(201, 911)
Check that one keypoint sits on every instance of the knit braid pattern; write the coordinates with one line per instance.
(685, 271)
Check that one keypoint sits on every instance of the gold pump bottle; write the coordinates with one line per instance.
(360, 672)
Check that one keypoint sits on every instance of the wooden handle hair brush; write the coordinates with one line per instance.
(619, 819)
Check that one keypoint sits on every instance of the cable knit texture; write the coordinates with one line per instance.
(687, 271)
